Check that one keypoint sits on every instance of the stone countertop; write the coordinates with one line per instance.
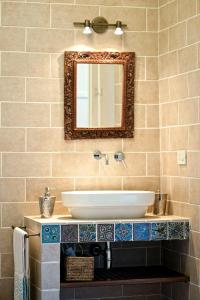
(67, 219)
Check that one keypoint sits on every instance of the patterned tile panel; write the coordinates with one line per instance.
(123, 232)
(87, 232)
(74, 233)
(50, 233)
(141, 231)
(105, 232)
(69, 233)
(159, 231)
(176, 230)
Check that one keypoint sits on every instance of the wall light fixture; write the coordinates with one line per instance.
(100, 25)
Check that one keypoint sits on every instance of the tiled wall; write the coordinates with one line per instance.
(179, 92)
(33, 37)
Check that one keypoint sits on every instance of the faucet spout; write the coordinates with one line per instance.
(98, 155)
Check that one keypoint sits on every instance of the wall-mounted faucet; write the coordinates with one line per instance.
(98, 155)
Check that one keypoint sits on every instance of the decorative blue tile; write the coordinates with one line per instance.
(159, 231)
(69, 233)
(105, 232)
(187, 230)
(141, 232)
(123, 232)
(176, 230)
(87, 233)
(50, 233)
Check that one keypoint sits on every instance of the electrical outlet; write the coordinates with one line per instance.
(181, 157)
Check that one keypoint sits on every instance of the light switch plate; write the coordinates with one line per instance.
(181, 157)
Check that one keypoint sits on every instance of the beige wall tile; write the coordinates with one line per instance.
(151, 68)
(178, 138)
(141, 183)
(76, 165)
(63, 16)
(91, 145)
(188, 58)
(25, 115)
(57, 115)
(152, 115)
(164, 90)
(178, 87)
(179, 189)
(94, 42)
(165, 139)
(168, 64)
(194, 137)
(190, 267)
(163, 2)
(136, 166)
(12, 190)
(146, 92)
(12, 140)
(48, 90)
(25, 165)
(137, 3)
(192, 169)
(12, 89)
(163, 41)
(198, 6)
(98, 183)
(7, 265)
(140, 68)
(25, 14)
(6, 240)
(35, 187)
(193, 81)
(177, 36)
(57, 65)
(6, 286)
(139, 116)
(195, 244)
(25, 64)
(188, 111)
(153, 164)
(143, 141)
(168, 15)
(49, 40)
(48, 140)
(186, 9)
(194, 292)
(169, 165)
(13, 213)
(193, 34)
(152, 19)
(143, 43)
(50, 275)
(12, 39)
(135, 18)
(169, 114)
(194, 191)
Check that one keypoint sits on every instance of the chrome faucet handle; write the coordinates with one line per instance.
(119, 156)
(99, 155)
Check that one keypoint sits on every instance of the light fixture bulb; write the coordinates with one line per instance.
(87, 27)
(119, 30)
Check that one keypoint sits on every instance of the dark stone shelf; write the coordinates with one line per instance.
(133, 275)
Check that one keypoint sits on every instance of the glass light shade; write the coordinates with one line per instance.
(87, 30)
(118, 31)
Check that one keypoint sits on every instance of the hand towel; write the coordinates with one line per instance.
(21, 264)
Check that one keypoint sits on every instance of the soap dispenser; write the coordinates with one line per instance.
(46, 203)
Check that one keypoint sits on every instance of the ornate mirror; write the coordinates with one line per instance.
(98, 95)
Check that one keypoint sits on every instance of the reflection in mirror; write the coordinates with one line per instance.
(99, 91)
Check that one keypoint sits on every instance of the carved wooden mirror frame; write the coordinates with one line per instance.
(71, 58)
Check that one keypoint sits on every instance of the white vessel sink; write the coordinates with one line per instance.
(107, 204)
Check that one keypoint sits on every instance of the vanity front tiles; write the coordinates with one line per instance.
(87, 233)
(69, 233)
(105, 232)
(51, 233)
(141, 231)
(123, 232)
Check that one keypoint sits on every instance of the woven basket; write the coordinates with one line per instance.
(79, 268)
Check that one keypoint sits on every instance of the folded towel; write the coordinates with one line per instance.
(21, 265)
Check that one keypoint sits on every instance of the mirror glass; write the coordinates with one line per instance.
(99, 95)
